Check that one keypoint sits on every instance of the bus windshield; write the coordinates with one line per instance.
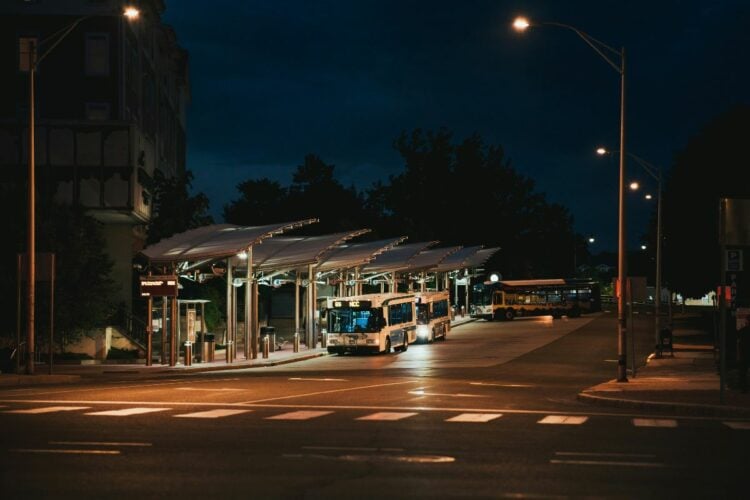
(347, 320)
(482, 295)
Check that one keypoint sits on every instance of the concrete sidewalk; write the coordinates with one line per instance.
(70, 373)
(685, 383)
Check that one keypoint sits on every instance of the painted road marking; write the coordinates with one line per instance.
(359, 388)
(607, 463)
(299, 415)
(319, 379)
(349, 448)
(98, 443)
(597, 454)
(500, 385)
(48, 409)
(387, 415)
(562, 420)
(206, 389)
(420, 392)
(127, 412)
(654, 422)
(738, 426)
(212, 413)
(474, 417)
(67, 451)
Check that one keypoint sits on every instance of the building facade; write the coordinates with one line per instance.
(110, 105)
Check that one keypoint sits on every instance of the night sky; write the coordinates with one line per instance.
(274, 80)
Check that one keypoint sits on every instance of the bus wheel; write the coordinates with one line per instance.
(387, 345)
(556, 313)
(509, 314)
(405, 346)
(432, 336)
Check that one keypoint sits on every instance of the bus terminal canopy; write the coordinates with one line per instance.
(214, 242)
(396, 259)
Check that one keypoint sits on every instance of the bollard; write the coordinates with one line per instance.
(296, 342)
(188, 353)
(265, 346)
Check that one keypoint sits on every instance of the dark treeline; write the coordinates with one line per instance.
(456, 192)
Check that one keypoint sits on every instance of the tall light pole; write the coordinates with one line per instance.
(606, 52)
(35, 58)
(655, 172)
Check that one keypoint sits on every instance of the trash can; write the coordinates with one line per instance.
(209, 340)
(665, 341)
(271, 332)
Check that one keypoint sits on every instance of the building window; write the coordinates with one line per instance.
(97, 111)
(97, 54)
(24, 52)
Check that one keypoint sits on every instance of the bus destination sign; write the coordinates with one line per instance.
(353, 304)
(158, 286)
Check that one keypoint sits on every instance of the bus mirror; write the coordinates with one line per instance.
(323, 313)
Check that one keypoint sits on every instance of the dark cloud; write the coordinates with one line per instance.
(274, 80)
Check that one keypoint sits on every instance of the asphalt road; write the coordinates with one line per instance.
(490, 413)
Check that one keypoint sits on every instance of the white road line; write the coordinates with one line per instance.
(127, 412)
(299, 415)
(562, 420)
(212, 413)
(387, 415)
(595, 454)
(67, 451)
(48, 409)
(98, 443)
(319, 379)
(654, 422)
(349, 448)
(474, 417)
(607, 463)
(500, 385)
(330, 392)
(743, 426)
(226, 389)
(459, 395)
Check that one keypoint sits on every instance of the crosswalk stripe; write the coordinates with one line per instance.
(48, 409)
(299, 415)
(212, 413)
(127, 412)
(562, 420)
(387, 415)
(738, 426)
(654, 422)
(474, 417)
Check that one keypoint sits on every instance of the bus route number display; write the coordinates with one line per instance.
(354, 304)
(158, 286)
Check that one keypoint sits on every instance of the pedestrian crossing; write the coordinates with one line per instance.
(376, 416)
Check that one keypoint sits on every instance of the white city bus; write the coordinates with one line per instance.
(433, 315)
(372, 323)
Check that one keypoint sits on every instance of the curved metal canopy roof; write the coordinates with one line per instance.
(214, 242)
(397, 259)
(480, 257)
(293, 252)
(358, 254)
(427, 260)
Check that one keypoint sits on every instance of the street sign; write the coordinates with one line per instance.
(734, 260)
(158, 286)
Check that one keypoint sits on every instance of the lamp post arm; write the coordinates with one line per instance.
(60, 37)
(595, 44)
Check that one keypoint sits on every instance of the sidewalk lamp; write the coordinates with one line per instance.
(655, 173)
(36, 56)
(616, 59)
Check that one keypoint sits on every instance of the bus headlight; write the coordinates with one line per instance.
(423, 331)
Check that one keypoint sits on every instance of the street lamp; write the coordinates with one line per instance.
(521, 24)
(655, 173)
(34, 61)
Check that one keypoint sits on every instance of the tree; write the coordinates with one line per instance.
(174, 209)
(710, 167)
(261, 202)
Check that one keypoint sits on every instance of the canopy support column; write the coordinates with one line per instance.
(164, 330)
(249, 302)
(309, 330)
(296, 302)
(228, 335)
(357, 283)
(422, 284)
(254, 330)
(173, 334)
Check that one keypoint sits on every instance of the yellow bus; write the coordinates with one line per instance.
(433, 315)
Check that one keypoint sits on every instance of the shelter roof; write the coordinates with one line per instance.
(396, 259)
(352, 255)
(480, 257)
(456, 259)
(429, 259)
(214, 242)
(291, 252)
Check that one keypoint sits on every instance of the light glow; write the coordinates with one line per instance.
(648, 197)
(592, 239)
(131, 13)
(521, 24)
(601, 151)
(643, 247)
(634, 186)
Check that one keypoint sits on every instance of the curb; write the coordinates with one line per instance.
(696, 409)
(14, 380)
(228, 366)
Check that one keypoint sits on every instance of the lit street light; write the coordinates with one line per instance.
(34, 61)
(521, 24)
(654, 172)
